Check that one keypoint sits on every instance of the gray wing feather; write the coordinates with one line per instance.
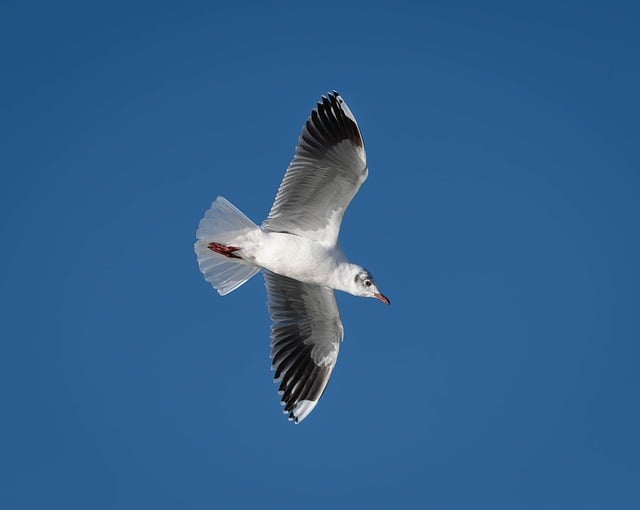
(306, 335)
(327, 170)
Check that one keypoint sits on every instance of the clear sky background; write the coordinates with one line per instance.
(501, 216)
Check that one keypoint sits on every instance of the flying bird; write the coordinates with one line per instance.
(298, 252)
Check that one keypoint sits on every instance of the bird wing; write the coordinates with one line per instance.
(306, 334)
(328, 168)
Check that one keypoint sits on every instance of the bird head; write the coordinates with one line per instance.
(365, 286)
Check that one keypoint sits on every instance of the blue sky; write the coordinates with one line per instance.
(501, 217)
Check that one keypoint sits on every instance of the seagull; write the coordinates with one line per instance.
(297, 250)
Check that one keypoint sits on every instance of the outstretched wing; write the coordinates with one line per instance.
(306, 335)
(328, 168)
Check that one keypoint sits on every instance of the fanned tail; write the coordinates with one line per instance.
(223, 224)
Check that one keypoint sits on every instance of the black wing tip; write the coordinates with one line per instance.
(289, 411)
(334, 94)
(299, 381)
(332, 120)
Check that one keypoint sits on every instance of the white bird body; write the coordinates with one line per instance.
(298, 251)
(298, 258)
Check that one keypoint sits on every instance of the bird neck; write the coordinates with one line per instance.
(344, 277)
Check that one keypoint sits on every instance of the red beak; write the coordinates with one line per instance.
(383, 298)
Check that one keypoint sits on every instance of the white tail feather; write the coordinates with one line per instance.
(223, 223)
